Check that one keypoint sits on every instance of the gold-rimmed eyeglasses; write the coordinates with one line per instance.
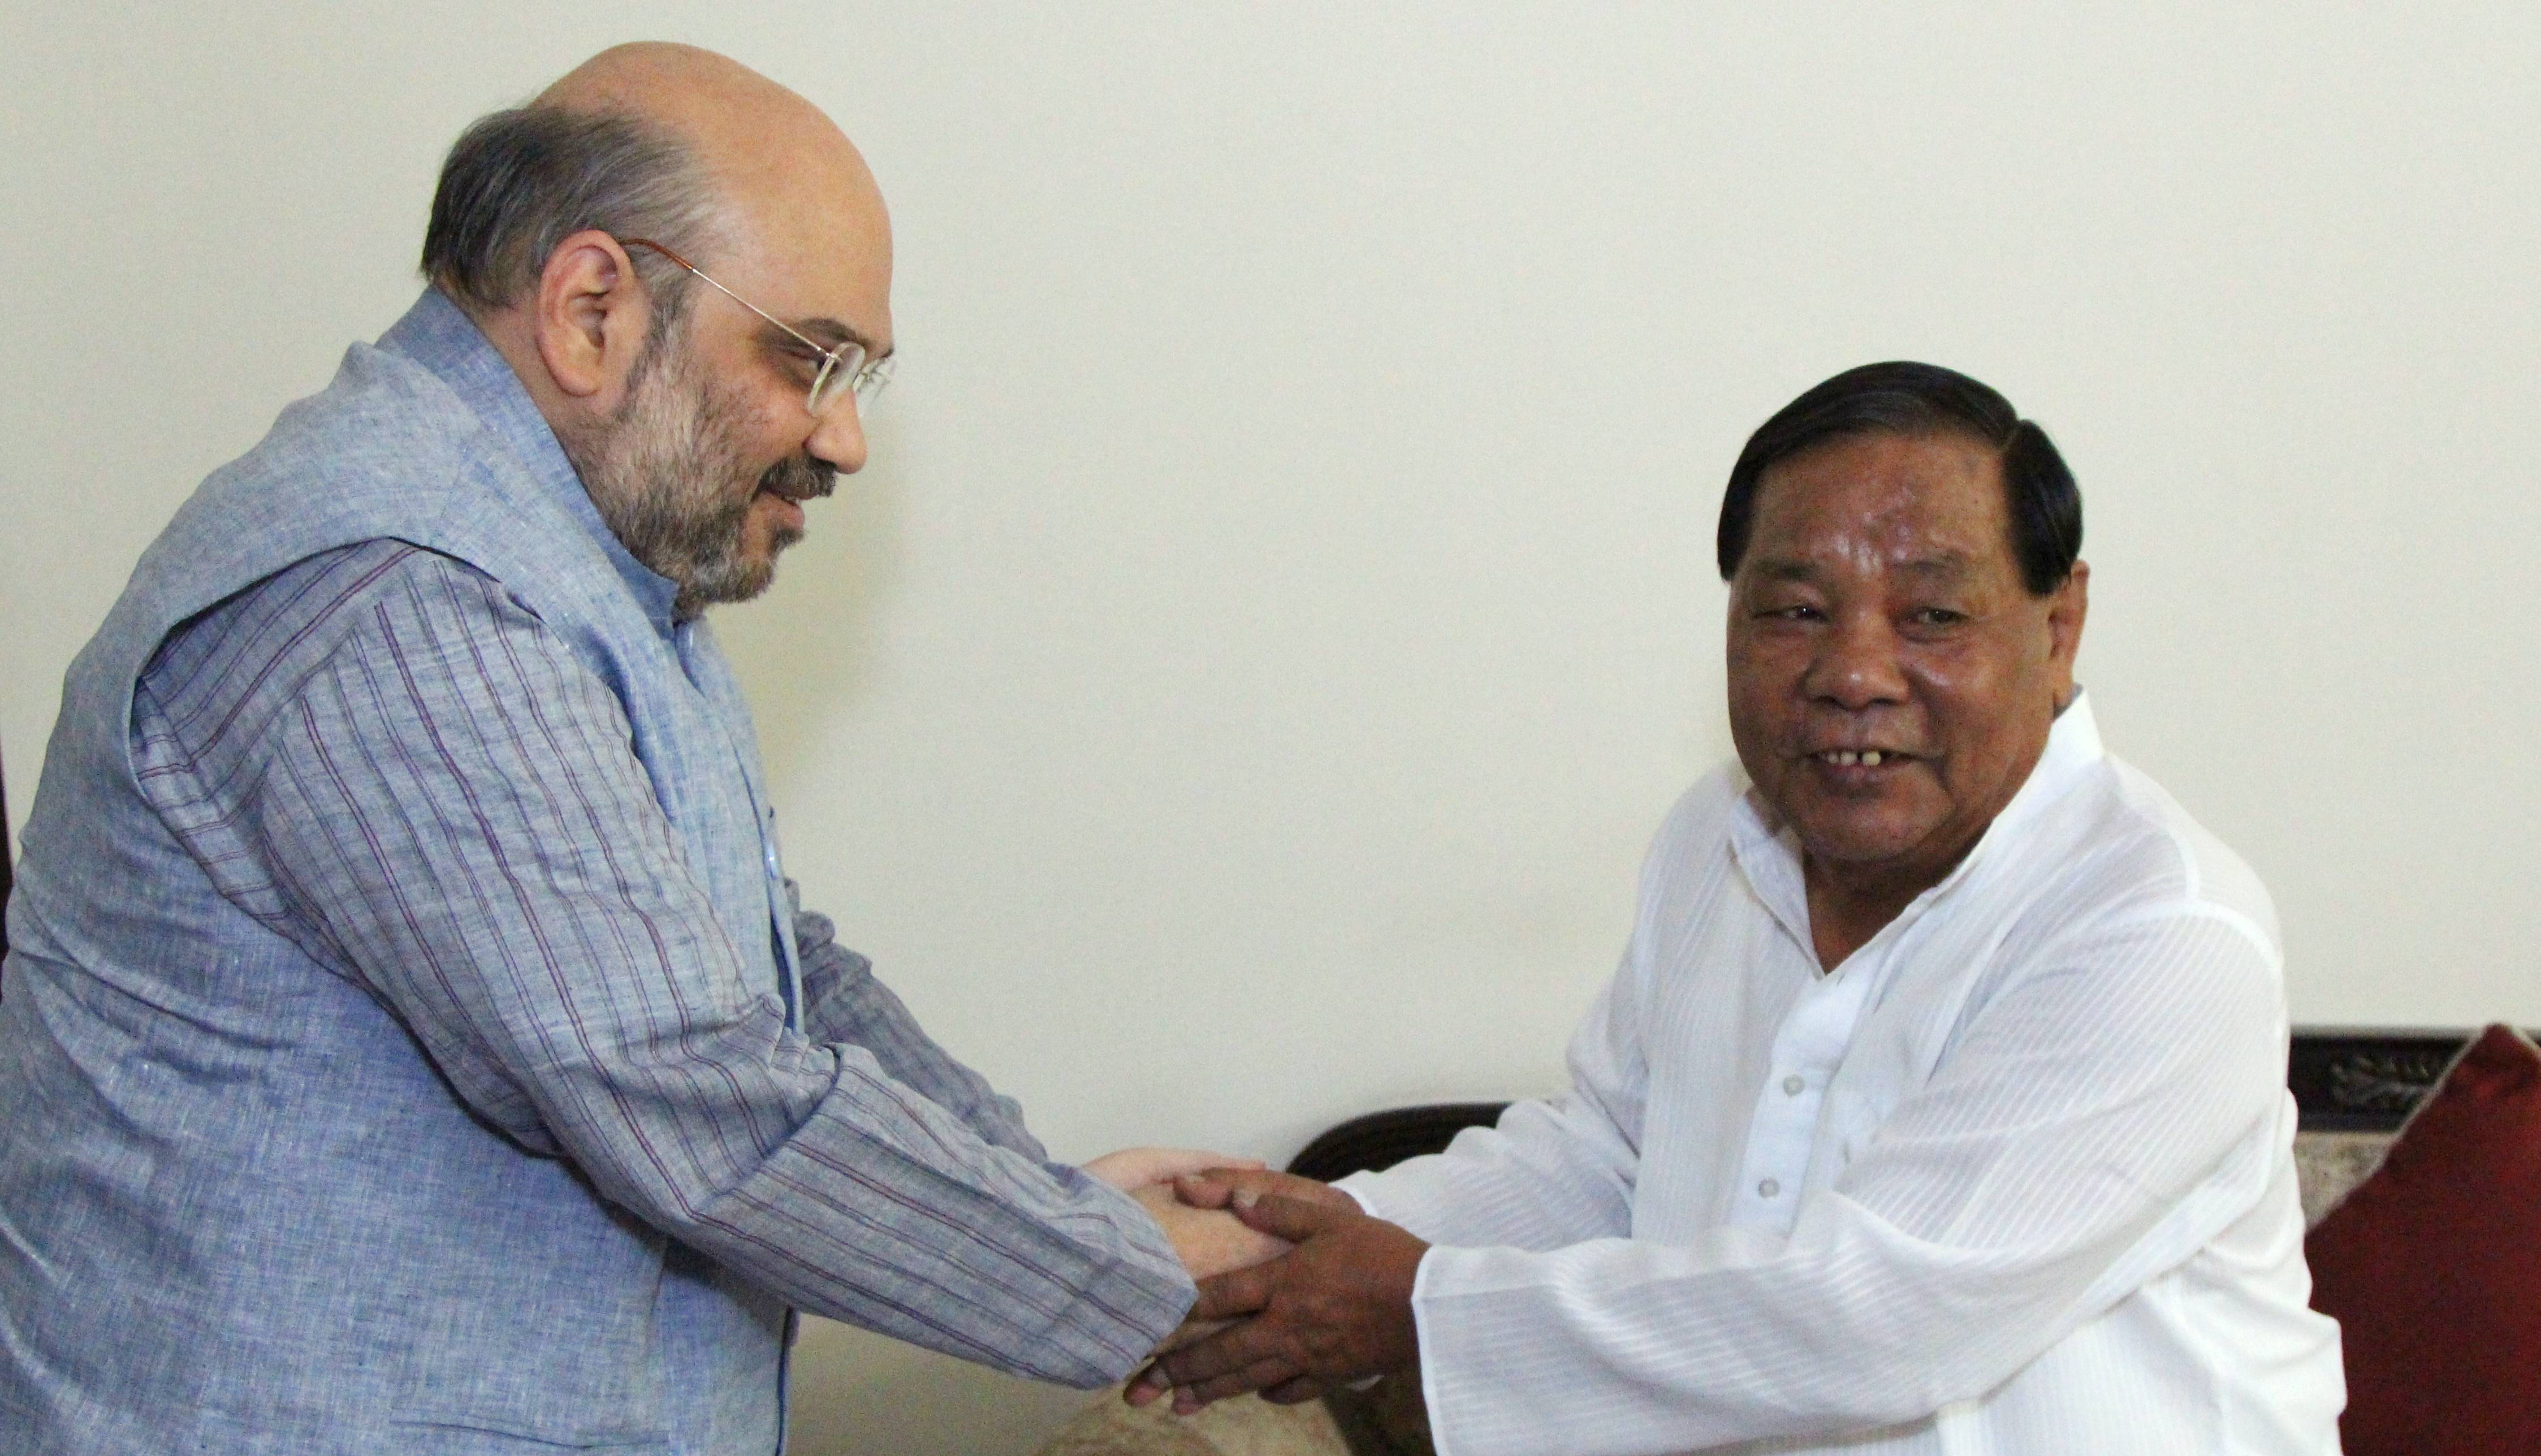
(845, 370)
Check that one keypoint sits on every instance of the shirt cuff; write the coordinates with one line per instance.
(1431, 1386)
(1357, 1187)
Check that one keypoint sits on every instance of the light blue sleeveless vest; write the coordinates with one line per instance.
(398, 1278)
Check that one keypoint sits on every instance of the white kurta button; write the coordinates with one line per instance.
(1768, 1188)
(1792, 1084)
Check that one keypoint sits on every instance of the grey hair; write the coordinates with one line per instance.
(517, 182)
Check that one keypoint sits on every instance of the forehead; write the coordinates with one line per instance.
(1881, 502)
(811, 253)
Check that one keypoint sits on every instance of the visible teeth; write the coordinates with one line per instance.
(1847, 757)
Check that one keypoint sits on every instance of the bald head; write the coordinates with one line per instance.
(666, 142)
(786, 173)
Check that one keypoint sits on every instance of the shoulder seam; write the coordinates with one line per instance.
(325, 634)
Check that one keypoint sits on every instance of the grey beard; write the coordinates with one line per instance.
(660, 470)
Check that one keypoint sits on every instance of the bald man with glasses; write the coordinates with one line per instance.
(412, 1039)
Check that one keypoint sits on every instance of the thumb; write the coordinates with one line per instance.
(1203, 1190)
(1293, 1220)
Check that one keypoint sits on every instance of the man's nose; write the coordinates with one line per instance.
(1856, 665)
(839, 437)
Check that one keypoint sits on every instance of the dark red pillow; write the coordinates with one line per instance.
(2432, 1268)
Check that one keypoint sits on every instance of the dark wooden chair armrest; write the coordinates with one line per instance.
(1382, 1139)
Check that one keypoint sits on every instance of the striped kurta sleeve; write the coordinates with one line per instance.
(387, 759)
(846, 1003)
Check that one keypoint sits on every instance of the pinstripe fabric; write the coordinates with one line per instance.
(383, 756)
(411, 1042)
(2014, 1178)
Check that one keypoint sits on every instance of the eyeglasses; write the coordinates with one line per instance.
(844, 369)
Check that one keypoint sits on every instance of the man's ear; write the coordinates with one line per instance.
(590, 318)
(2066, 607)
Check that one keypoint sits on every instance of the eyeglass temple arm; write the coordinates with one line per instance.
(666, 253)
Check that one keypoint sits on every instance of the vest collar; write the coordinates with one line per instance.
(436, 334)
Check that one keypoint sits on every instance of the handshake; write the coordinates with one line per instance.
(1300, 1291)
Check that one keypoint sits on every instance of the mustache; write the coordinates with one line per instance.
(800, 477)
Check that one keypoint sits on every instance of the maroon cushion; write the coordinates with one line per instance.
(2432, 1268)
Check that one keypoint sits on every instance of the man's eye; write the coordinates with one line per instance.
(1938, 617)
(1799, 611)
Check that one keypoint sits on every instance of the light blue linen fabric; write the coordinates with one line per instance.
(410, 1040)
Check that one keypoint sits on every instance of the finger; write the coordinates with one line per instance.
(1236, 1292)
(1180, 1162)
(1261, 1373)
(1192, 1332)
(1147, 1386)
(1124, 1168)
(1213, 1188)
(1162, 1164)
(1309, 1191)
(1247, 1344)
(1293, 1220)
(1296, 1392)
(1203, 1192)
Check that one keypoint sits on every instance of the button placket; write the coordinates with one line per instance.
(1807, 1051)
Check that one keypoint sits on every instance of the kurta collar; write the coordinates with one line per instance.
(436, 334)
(1768, 853)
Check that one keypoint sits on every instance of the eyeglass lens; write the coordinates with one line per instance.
(847, 370)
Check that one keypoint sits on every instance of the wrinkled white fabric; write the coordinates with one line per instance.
(2015, 1178)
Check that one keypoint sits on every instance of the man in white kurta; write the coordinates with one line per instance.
(2017, 1180)
(1939, 1103)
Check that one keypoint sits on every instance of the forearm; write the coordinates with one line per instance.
(1552, 1171)
(884, 1211)
(1550, 1174)
(845, 1003)
(1622, 1346)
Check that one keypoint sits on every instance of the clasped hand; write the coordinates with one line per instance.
(1329, 1304)
(1207, 1242)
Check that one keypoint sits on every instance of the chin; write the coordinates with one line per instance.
(1856, 840)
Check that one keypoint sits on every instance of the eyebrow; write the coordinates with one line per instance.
(832, 333)
(1948, 564)
(1784, 568)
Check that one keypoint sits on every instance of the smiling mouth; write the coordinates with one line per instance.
(1860, 758)
(799, 478)
(798, 491)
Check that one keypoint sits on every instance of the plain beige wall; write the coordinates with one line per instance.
(1279, 608)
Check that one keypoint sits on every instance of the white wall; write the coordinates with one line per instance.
(1279, 608)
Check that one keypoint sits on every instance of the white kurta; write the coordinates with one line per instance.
(2014, 1179)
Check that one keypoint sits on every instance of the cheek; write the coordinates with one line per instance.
(1972, 691)
(760, 448)
(757, 431)
(1976, 716)
(1764, 673)
(781, 428)
(1960, 673)
(1763, 715)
